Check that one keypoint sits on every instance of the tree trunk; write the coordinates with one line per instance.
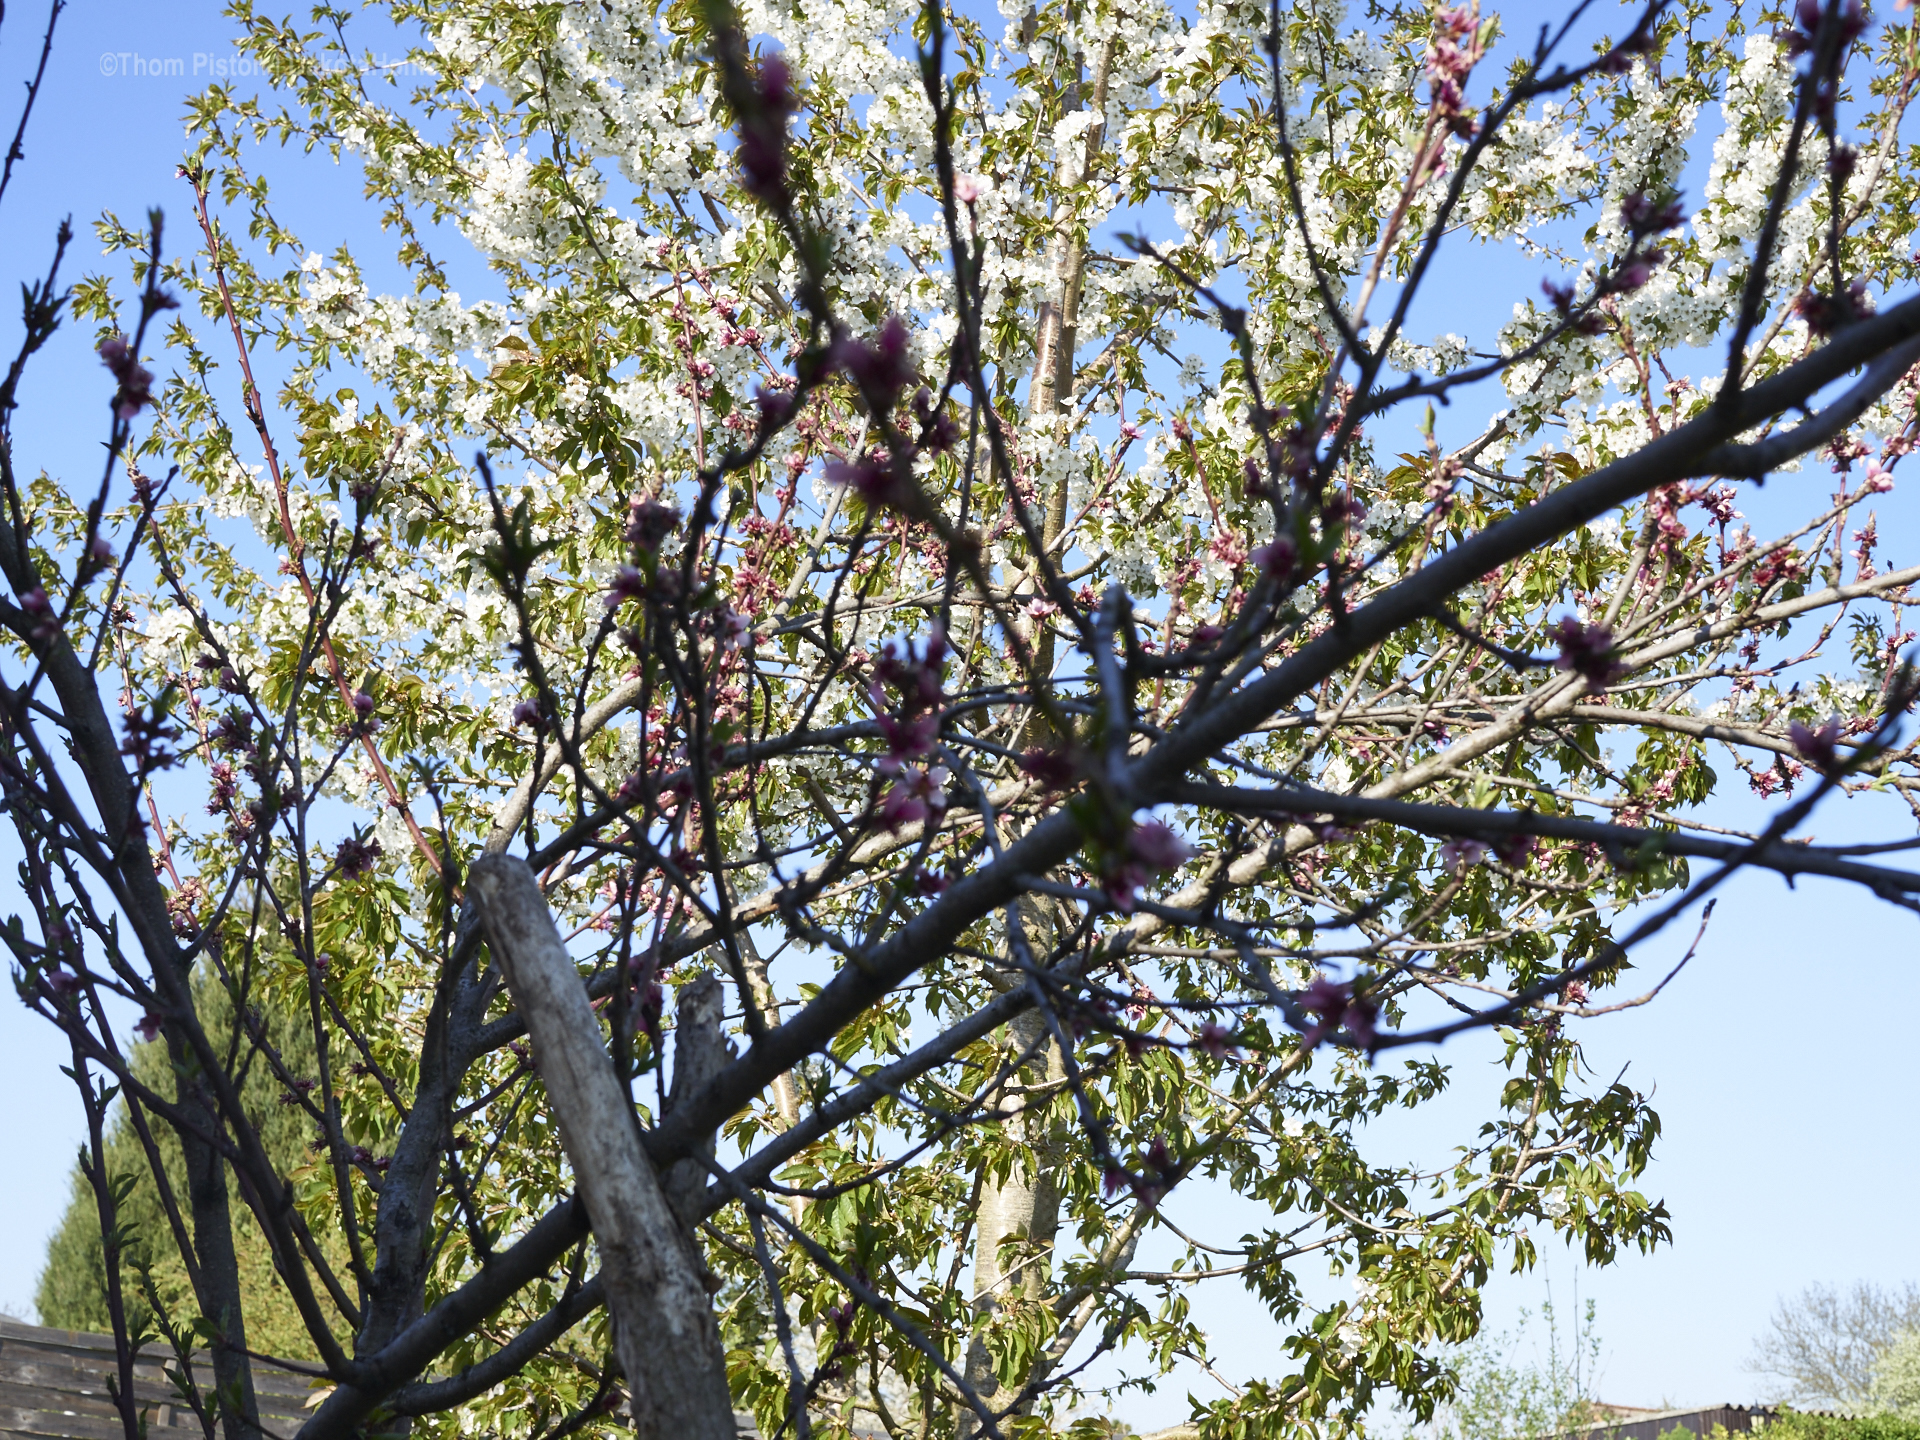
(664, 1327)
(1017, 1221)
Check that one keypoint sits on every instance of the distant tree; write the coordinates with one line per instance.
(1896, 1376)
(1508, 1391)
(72, 1289)
(1827, 1343)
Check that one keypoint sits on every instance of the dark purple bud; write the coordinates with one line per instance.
(1588, 650)
(1055, 769)
(356, 857)
(873, 481)
(628, 584)
(776, 408)
(881, 367)
(1644, 215)
(1334, 1005)
(1515, 851)
(1214, 1040)
(649, 522)
(1279, 557)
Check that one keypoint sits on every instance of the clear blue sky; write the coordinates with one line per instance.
(1781, 1056)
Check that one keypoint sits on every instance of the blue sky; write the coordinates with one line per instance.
(1782, 1074)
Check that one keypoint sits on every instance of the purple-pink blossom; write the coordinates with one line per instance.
(1820, 747)
(917, 794)
(872, 480)
(628, 584)
(649, 522)
(762, 151)
(1155, 845)
(1588, 650)
(881, 366)
(1336, 1006)
(1643, 214)
(1054, 769)
(136, 381)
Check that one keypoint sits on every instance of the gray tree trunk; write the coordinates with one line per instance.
(1016, 1224)
(664, 1327)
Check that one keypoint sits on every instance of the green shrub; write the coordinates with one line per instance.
(1793, 1425)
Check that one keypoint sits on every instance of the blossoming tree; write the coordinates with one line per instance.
(804, 601)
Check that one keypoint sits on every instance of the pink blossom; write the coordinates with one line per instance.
(1054, 769)
(1156, 846)
(971, 189)
(1279, 557)
(732, 629)
(136, 381)
(915, 796)
(1458, 854)
(906, 740)
(1718, 502)
(1336, 1005)
(873, 481)
(1588, 650)
(628, 584)
(649, 522)
(1819, 748)
(1214, 1040)
(881, 366)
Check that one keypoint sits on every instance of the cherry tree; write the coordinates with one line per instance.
(814, 788)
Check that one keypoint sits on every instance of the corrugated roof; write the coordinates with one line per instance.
(1652, 1424)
